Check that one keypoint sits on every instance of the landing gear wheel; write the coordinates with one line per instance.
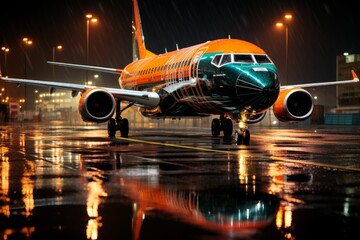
(111, 127)
(228, 127)
(124, 127)
(242, 136)
(215, 127)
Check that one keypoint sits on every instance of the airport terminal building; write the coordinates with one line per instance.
(347, 109)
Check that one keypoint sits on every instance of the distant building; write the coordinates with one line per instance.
(347, 111)
(347, 95)
(57, 106)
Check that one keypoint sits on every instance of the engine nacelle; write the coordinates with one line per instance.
(257, 118)
(96, 105)
(294, 104)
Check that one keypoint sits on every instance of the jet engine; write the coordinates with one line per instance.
(294, 104)
(257, 118)
(96, 105)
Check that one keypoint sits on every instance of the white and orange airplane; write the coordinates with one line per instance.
(231, 78)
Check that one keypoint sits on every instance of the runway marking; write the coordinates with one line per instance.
(173, 145)
(324, 165)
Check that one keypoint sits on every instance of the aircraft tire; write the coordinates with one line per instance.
(111, 127)
(215, 127)
(227, 127)
(124, 127)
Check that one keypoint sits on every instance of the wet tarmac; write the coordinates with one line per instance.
(63, 181)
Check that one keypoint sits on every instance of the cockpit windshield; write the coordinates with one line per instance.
(262, 59)
(243, 58)
(225, 59)
(222, 59)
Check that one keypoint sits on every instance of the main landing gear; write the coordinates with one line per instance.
(241, 135)
(222, 124)
(119, 123)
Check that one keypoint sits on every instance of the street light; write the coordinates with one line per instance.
(287, 19)
(27, 42)
(6, 51)
(58, 47)
(89, 19)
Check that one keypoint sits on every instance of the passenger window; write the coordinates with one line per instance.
(262, 59)
(243, 58)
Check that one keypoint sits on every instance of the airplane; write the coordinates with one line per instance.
(232, 78)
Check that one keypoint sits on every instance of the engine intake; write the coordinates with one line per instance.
(96, 105)
(294, 104)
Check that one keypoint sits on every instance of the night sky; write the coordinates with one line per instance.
(320, 30)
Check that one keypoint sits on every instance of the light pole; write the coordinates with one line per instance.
(6, 51)
(287, 19)
(27, 42)
(89, 18)
(58, 47)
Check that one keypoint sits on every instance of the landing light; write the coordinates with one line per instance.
(242, 124)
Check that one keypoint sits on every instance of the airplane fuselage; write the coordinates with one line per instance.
(216, 77)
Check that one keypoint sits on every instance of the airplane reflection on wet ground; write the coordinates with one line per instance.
(69, 182)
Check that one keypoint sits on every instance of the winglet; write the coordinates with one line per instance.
(355, 77)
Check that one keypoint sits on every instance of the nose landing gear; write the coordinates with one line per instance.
(242, 135)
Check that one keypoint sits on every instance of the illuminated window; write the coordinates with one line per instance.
(350, 58)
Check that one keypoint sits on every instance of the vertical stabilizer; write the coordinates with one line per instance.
(139, 49)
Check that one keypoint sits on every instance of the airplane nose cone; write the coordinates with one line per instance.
(258, 88)
(270, 91)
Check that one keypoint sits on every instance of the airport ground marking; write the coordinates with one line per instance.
(174, 145)
(324, 165)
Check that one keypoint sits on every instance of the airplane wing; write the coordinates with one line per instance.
(140, 98)
(306, 85)
(87, 67)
